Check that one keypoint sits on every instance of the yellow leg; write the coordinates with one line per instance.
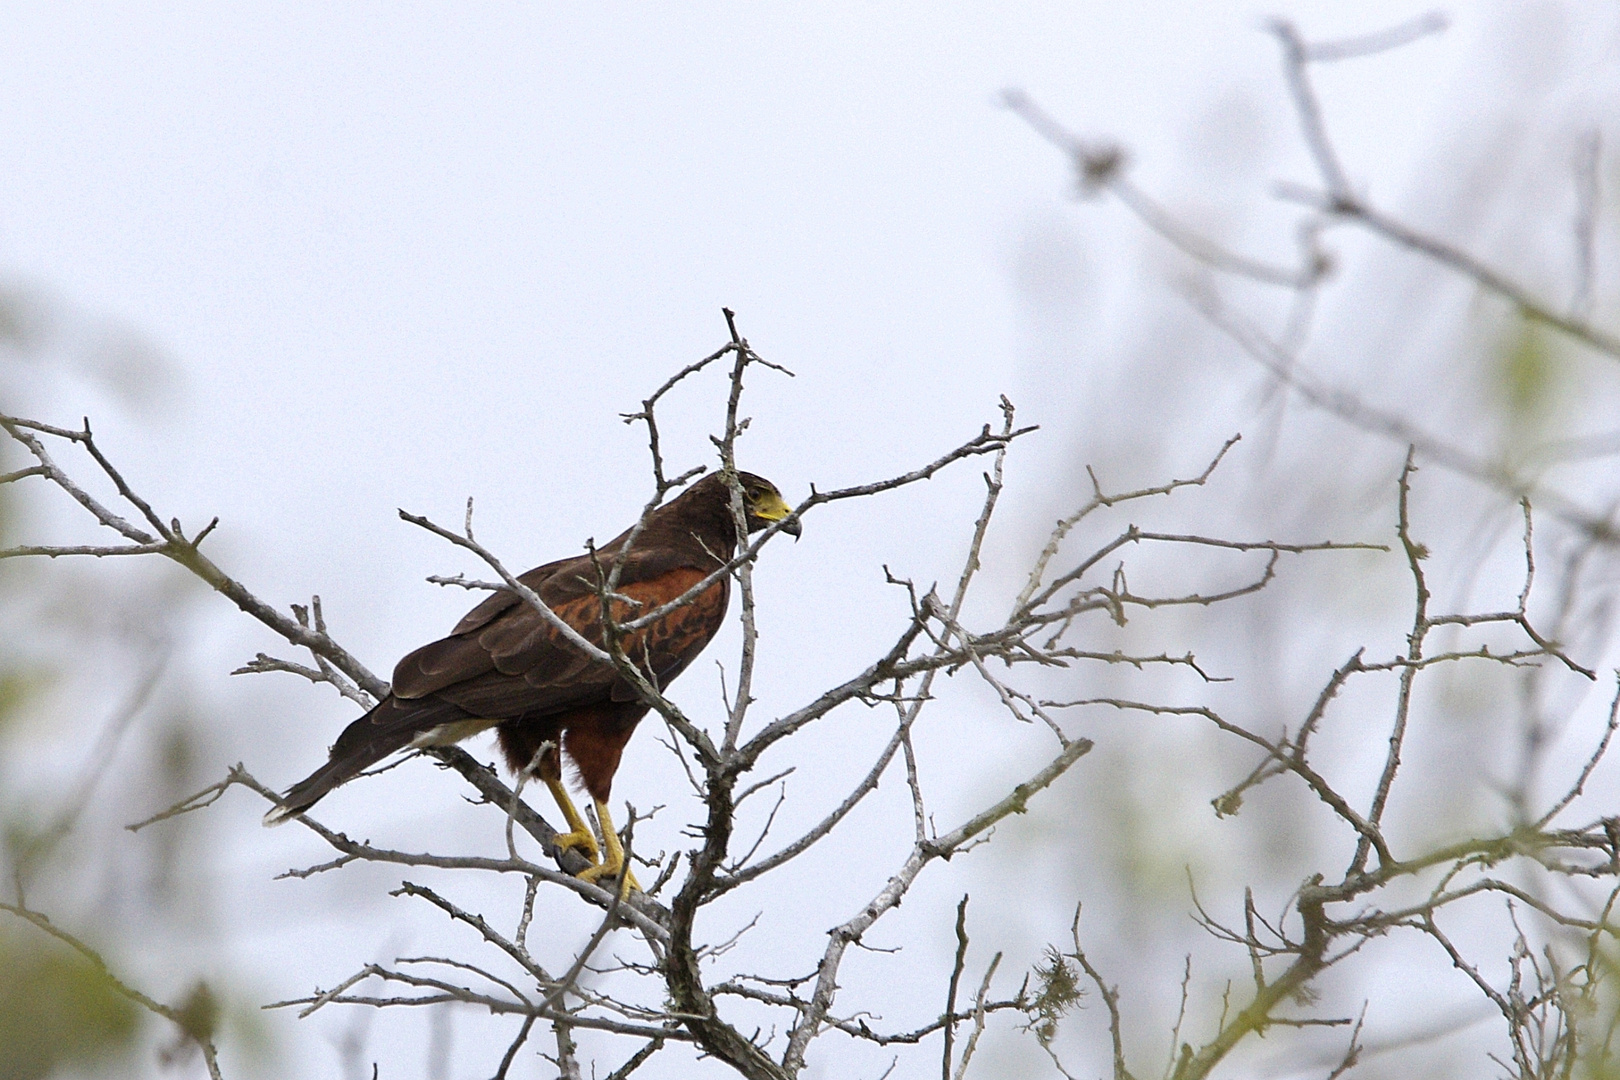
(579, 834)
(613, 861)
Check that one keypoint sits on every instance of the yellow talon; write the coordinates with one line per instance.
(583, 842)
(613, 861)
(579, 835)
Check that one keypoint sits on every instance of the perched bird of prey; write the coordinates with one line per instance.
(505, 666)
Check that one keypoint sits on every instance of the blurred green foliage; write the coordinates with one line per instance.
(56, 1009)
(1529, 375)
(1597, 1013)
(15, 687)
(59, 1013)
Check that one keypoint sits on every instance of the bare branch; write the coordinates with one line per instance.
(950, 993)
(978, 1018)
(1421, 26)
(923, 853)
(1110, 996)
(1591, 763)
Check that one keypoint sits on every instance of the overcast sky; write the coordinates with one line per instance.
(359, 257)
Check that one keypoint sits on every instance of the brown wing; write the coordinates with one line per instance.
(510, 664)
(496, 603)
(506, 664)
(457, 656)
(514, 662)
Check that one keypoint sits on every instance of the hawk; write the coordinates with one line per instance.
(506, 666)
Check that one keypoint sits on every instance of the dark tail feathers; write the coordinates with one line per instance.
(361, 745)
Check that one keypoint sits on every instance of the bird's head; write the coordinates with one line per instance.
(764, 505)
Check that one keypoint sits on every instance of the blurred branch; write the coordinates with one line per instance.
(1454, 258)
(1354, 48)
(196, 1025)
(1347, 406)
(36, 849)
(1588, 197)
(1340, 203)
(1101, 167)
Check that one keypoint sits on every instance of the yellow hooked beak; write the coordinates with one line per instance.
(771, 507)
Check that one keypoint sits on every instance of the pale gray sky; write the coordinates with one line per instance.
(394, 255)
